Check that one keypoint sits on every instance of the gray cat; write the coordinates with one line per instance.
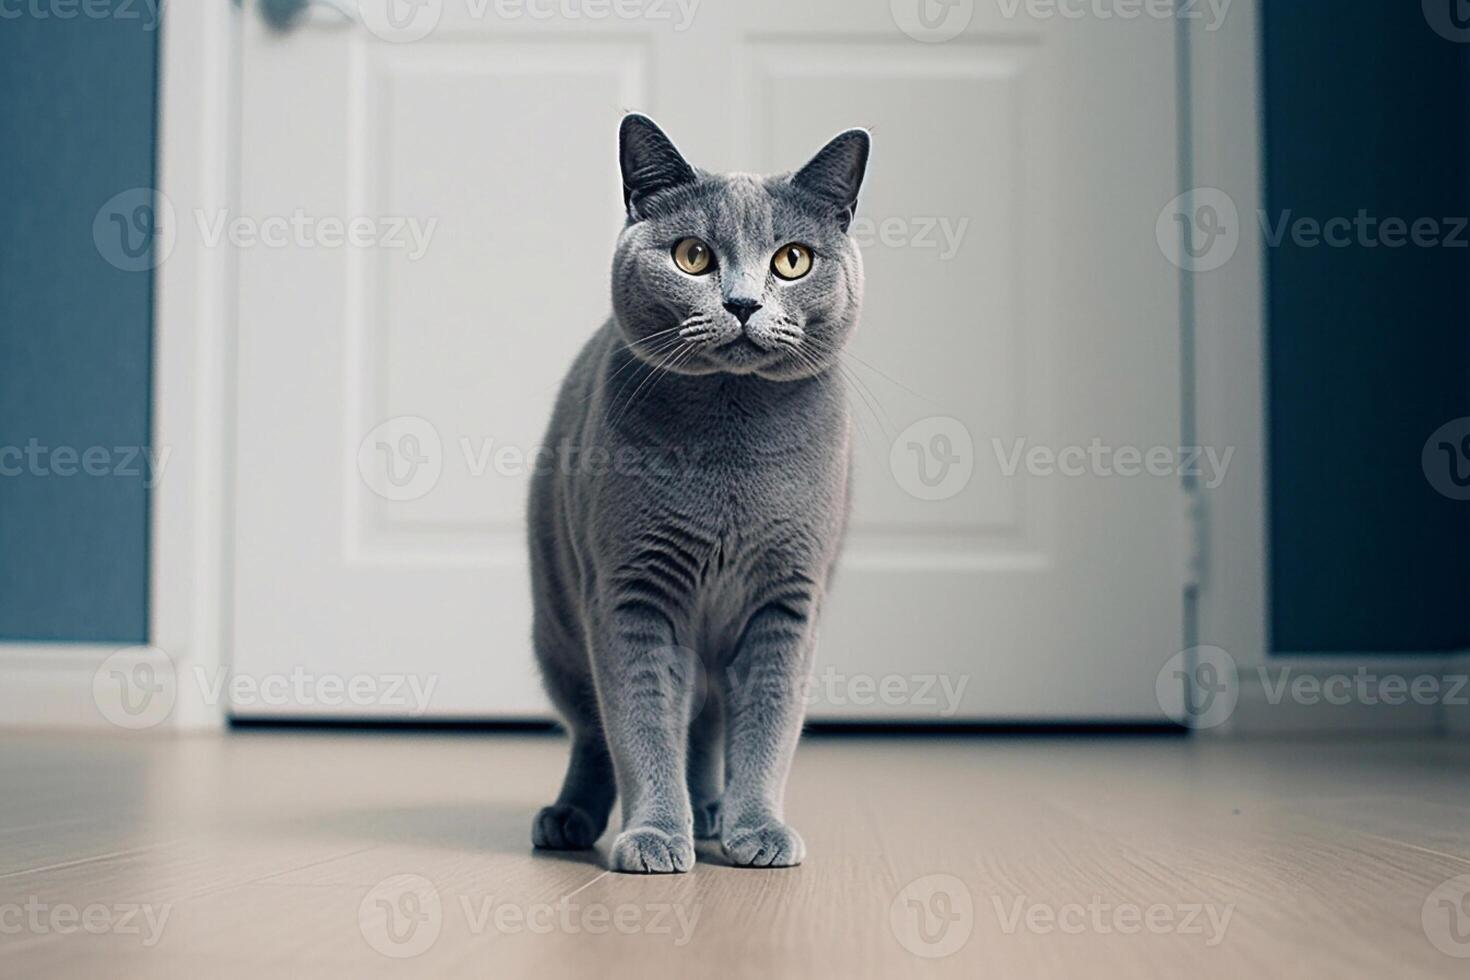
(683, 535)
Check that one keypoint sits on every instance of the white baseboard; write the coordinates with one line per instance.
(49, 685)
(1354, 694)
(55, 687)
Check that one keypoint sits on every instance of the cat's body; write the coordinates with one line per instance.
(686, 520)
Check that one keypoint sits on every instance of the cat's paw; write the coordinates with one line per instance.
(560, 827)
(771, 844)
(648, 850)
(707, 820)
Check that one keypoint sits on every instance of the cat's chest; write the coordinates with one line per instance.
(737, 492)
(736, 510)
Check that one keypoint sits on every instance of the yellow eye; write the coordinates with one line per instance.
(792, 261)
(693, 256)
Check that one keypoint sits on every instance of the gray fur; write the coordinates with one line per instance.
(684, 530)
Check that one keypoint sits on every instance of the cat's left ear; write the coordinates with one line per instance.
(836, 172)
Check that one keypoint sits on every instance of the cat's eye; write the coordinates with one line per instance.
(792, 261)
(693, 256)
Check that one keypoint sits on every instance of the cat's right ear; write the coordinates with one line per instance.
(649, 161)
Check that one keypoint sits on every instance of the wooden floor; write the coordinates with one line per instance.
(315, 855)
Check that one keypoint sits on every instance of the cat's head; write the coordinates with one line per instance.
(733, 272)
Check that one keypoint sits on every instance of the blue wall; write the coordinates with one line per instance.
(76, 128)
(1369, 348)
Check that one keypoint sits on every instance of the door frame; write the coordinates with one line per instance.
(191, 513)
(192, 531)
(1224, 319)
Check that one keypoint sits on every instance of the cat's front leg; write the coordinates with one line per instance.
(645, 687)
(766, 684)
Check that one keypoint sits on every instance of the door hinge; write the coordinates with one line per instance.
(1193, 536)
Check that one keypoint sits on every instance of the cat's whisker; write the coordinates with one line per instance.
(653, 373)
(629, 371)
(862, 426)
(698, 329)
(679, 359)
(888, 377)
(636, 359)
(696, 323)
(848, 355)
(866, 399)
(795, 348)
(649, 338)
(662, 343)
(865, 391)
(870, 399)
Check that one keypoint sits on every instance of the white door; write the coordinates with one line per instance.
(1018, 305)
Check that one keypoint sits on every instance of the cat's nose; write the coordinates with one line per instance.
(743, 309)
